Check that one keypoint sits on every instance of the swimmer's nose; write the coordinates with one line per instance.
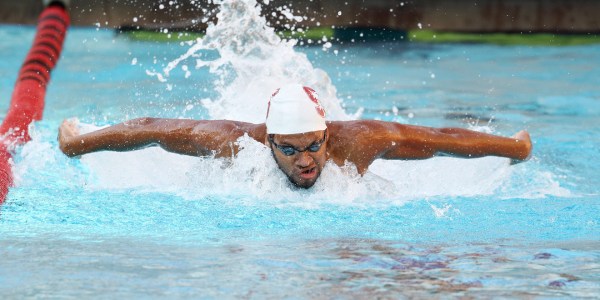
(303, 160)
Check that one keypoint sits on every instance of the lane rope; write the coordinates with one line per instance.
(27, 101)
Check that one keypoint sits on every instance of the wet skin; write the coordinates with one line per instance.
(302, 168)
(357, 142)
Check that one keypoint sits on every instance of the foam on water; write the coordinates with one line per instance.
(254, 176)
(121, 223)
(252, 62)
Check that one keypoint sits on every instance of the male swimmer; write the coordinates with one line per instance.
(300, 138)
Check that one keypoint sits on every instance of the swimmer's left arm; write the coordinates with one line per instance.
(416, 142)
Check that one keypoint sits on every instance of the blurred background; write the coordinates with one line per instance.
(360, 19)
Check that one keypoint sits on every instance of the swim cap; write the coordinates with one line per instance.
(294, 109)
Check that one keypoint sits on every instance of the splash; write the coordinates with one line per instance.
(253, 177)
(252, 62)
(253, 174)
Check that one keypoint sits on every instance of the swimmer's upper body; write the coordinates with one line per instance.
(300, 139)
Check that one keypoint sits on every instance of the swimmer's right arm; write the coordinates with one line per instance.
(188, 137)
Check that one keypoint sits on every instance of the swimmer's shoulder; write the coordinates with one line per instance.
(346, 137)
(355, 141)
(354, 129)
(350, 136)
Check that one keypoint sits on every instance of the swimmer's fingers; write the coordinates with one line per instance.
(66, 132)
(69, 128)
(523, 137)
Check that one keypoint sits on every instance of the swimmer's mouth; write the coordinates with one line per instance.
(309, 173)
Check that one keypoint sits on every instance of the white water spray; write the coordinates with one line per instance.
(253, 61)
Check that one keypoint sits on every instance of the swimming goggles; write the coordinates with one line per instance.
(291, 150)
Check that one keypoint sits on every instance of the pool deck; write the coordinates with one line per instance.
(518, 16)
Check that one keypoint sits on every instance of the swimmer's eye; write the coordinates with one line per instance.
(314, 147)
(291, 150)
(287, 150)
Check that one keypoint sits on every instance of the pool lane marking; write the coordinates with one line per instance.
(27, 101)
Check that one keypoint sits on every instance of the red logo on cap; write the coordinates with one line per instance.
(269, 105)
(313, 97)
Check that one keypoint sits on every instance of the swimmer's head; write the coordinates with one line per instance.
(294, 108)
(296, 133)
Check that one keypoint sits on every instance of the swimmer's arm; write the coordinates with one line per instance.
(177, 136)
(415, 142)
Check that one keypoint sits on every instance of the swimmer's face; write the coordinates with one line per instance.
(300, 156)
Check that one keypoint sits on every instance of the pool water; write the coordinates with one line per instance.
(153, 224)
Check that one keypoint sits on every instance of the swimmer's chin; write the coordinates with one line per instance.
(303, 184)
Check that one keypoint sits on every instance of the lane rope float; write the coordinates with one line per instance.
(27, 101)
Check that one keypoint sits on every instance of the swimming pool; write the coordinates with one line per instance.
(151, 224)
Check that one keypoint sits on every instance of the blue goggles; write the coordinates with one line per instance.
(291, 150)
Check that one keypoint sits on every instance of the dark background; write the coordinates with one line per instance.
(556, 16)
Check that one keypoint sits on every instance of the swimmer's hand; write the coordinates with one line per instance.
(67, 132)
(524, 138)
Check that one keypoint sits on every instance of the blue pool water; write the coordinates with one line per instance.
(152, 224)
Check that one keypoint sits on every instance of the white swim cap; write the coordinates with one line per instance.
(295, 109)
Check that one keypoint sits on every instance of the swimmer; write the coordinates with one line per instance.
(299, 138)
